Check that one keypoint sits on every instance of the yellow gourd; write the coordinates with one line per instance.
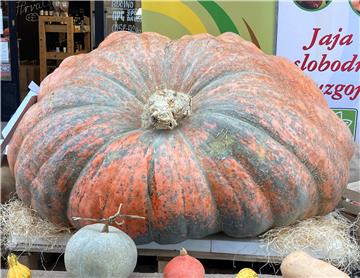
(16, 269)
(247, 273)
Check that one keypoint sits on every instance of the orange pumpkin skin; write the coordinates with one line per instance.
(261, 148)
(184, 266)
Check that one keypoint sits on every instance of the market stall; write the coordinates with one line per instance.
(202, 146)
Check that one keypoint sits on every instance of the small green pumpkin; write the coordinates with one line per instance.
(101, 250)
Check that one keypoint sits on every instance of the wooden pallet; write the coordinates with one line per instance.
(217, 247)
(350, 205)
(214, 247)
(351, 199)
(63, 274)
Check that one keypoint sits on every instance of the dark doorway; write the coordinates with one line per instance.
(9, 61)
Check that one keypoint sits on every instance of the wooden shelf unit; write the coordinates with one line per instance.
(60, 24)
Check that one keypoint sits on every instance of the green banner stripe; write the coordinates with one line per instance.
(222, 20)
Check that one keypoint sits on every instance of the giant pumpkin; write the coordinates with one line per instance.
(199, 135)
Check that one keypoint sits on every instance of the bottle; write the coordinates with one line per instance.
(76, 17)
(57, 46)
(81, 16)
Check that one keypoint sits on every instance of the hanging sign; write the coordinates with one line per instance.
(4, 48)
(5, 61)
(1, 22)
(124, 16)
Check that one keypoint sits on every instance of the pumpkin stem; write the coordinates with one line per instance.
(109, 220)
(183, 252)
(12, 260)
(165, 108)
(105, 229)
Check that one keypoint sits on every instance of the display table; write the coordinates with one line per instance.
(62, 274)
(217, 247)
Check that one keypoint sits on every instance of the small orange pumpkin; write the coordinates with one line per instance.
(184, 266)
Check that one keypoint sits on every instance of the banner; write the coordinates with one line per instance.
(255, 21)
(322, 39)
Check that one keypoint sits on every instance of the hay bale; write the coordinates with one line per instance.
(332, 237)
(17, 219)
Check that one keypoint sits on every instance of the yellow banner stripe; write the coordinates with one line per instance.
(177, 11)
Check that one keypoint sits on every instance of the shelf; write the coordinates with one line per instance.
(52, 55)
(86, 29)
(61, 25)
(57, 55)
(81, 52)
(55, 28)
(62, 28)
(53, 18)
